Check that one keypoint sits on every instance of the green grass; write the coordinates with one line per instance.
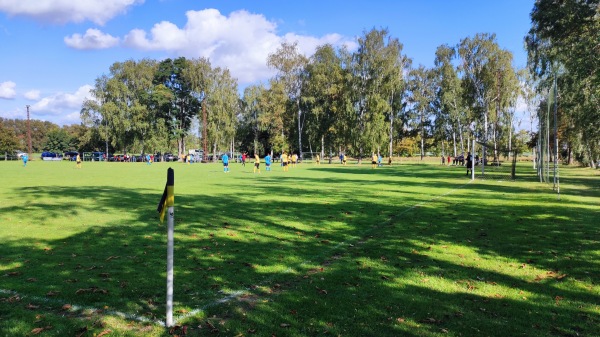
(408, 250)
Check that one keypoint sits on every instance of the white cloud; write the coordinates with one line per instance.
(7, 90)
(63, 11)
(93, 39)
(240, 42)
(32, 95)
(62, 108)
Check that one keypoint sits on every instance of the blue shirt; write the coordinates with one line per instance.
(225, 159)
(268, 160)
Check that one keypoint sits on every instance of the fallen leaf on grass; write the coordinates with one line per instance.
(103, 333)
(91, 290)
(31, 279)
(37, 331)
(557, 299)
(66, 307)
(112, 258)
(322, 291)
(284, 325)
(52, 293)
(32, 307)
(13, 273)
(430, 320)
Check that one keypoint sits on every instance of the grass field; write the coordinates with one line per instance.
(330, 250)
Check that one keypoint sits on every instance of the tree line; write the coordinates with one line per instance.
(371, 100)
(563, 47)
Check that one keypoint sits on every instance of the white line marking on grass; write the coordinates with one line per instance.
(75, 307)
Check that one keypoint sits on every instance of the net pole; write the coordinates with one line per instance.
(473, 161)
(548, 159)
(556, 181)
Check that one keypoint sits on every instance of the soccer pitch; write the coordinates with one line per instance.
(406, 250)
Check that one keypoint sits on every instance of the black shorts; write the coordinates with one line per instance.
(285, 163)
(256, 165)
(373, 162)
(226, 164)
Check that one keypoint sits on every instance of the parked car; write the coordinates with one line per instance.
(117, 157)
(169, 157)
(70, 155)
(97, 156)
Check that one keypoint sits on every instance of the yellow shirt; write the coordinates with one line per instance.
(256, 159)
(284, 158)
(374, 158)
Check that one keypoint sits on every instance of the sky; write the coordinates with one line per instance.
(52, 51)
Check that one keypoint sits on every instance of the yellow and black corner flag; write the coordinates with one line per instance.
(168, 197)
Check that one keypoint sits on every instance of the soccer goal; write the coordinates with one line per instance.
(494, 162)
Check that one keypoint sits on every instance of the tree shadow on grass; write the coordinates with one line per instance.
(342, 263)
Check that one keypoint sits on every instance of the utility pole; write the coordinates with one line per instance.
(28, 133)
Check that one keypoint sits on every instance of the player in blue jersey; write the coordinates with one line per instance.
(225, 160)
(268, 162)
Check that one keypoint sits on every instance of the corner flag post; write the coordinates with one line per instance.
(167, 203)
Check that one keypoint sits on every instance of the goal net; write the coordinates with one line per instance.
(494, 162)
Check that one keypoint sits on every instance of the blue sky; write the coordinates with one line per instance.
(53, 50)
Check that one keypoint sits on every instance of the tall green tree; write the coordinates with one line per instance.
(562, 45)
(60, 141)
(290, 65)
(489, 83)
(199, 74)
(184, 105)
(449, 95)
(274, 104)
(251, 111)
(8, 140)
(322, 95)
(222, 107)
(373, 69)
(397, 87)
(422, 89)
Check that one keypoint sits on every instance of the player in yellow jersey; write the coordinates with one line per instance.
(294, 160)
(256, 163)
(318, 162)
(284, 161)
(78, 160)
(373, 161)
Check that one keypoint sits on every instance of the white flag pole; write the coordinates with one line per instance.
(170, 245)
